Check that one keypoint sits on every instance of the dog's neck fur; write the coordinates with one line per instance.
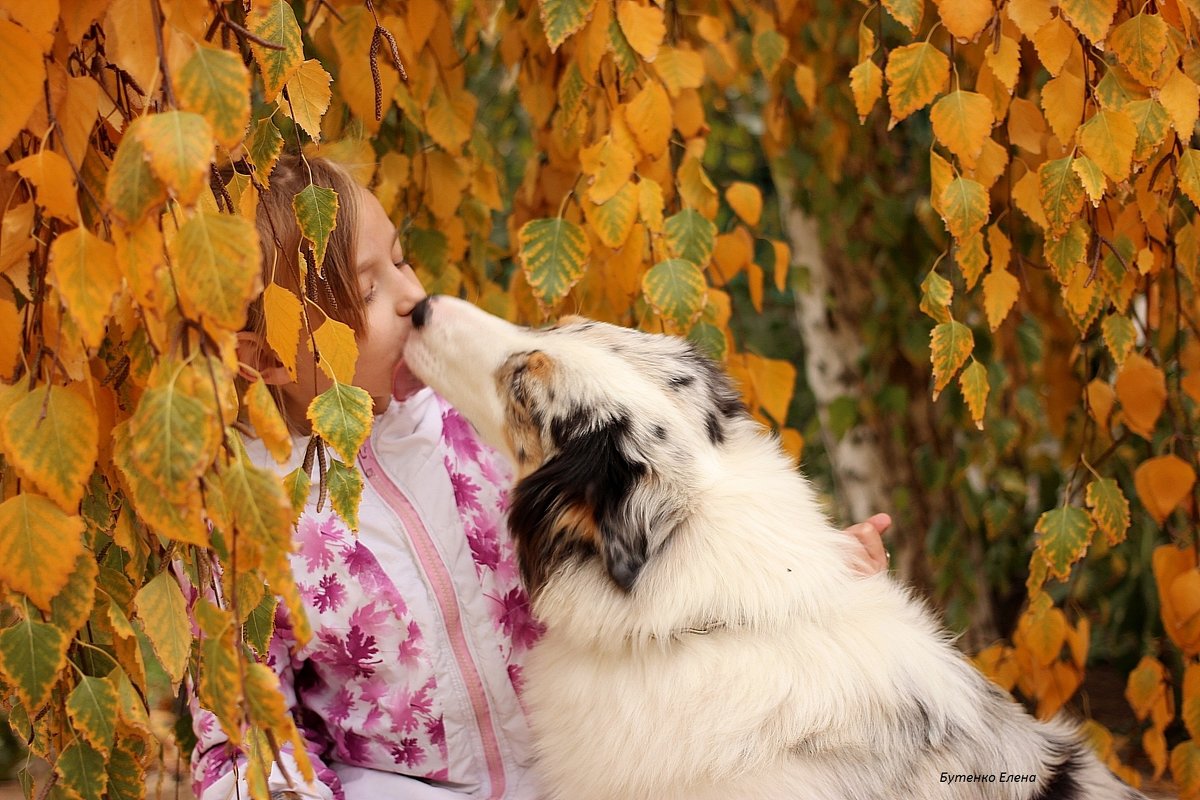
(725, 524)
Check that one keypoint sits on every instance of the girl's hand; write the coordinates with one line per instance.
(872, 558)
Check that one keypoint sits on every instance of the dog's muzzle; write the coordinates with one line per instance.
(420, 313)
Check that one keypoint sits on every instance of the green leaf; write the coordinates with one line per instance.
(81, 771)
(163, 612)
(132, 189)
(770, 48)
(623, 52)
(916, 74)
(1109, 509)
(31, 654)
(316, 212)
(1120, 335)
(1061, 194)
(562, 18)
(51, 436)
(964, 207)
(220, 678)
(690, 236)
(1139, 44)
(264, 147)
(676, 290)
(276, 24)
(126, 778)
(613, 219)
(72, 606)
(92, 707)
(1151, 122)
(180, 147)
(345, 491)
(1068, 250)
(296, 484)
(975, 389)
(342, 415)
(554, 253)
(1065, 535)
(261, 511)
(217, 269)
(951, 344)
(216, 84)
(907, 12)
(260, 624)
(710, 339)
(27, 522)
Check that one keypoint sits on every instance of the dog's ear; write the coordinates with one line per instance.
(594, 497)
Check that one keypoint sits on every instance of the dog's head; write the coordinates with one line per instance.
(607, 428)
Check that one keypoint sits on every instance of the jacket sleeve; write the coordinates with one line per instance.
(219, 768)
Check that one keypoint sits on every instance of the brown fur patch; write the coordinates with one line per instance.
(569, 319)
(539, 365)
(524, 439)
(581, 521)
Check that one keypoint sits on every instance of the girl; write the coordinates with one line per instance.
(410, 686)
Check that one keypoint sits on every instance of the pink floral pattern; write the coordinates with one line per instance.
(366, 685)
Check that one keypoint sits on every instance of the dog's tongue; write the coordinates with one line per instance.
(404, 383)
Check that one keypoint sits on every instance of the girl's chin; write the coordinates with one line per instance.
(404, 383)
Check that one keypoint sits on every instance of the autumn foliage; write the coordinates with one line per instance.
(590, 155)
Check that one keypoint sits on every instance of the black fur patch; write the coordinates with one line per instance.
(1062, 784)
(716, 434)
(589, 474)
(680, 381)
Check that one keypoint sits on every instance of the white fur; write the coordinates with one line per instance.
(810, 682)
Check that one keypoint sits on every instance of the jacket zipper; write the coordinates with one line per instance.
(447, 599)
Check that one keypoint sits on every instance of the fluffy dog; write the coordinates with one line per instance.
(706, 637)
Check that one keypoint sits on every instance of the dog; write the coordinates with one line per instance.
(706, 635)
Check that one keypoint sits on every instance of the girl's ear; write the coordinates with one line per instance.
(257, 359)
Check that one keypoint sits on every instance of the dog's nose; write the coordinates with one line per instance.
(420, 313)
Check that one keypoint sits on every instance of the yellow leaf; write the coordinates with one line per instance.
(965, 18)
(179, 145)
(774, 381)
(1100, 400)
(1042, 629)
(1062, 100)
(1180, 96)
(1163, 483)
(613, 219)
(1060, 194)
(951, 344)
(975, 388)
(1146, 685)
(1005, 61)
(338, 349)
(1092, 18)
(940, 175)
(961, 121)
(1029, 15)
(972, 258)
(54, 182)
(282, 311)
(696, 188)
(907, 12)
(308, 96)
(1108, 138)
(1026, 127)
(1188, 174)
(215, 83)
(680, 69)
(267, 421)
(27, 523)
(217, 271)
(746, 200)
(1142, 389)
(806, 84)
(731, 254)
(163, 612)
(130, 32)
(965, 207)
(51, 436)
(650, 204)
(643, 26)
(649, 117)
(24, 76)
(1139, 44)
(166, 515)
(916, 74)
(1185, 768)
(11, 336)
(83, 268)
(1091, 178)
(866, 83)
(1000, 290)
(609, 165)
(1054, 41)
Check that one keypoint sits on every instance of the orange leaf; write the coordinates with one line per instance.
(54, 181)
(83, 268)
(1146, 685)
(1163, 483)
(1054, 41)
(1108, 138)
(961, 121)
(643, 26)
(609, 166)
(746, 200)
(1180, 96)
(1000, 290)
(965, 18)
(1062, 100)
(1142, 389)
(24, 77)
(866, 84)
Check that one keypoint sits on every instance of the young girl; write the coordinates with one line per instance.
(410, 686)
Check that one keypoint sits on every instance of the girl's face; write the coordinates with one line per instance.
(389, 289)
